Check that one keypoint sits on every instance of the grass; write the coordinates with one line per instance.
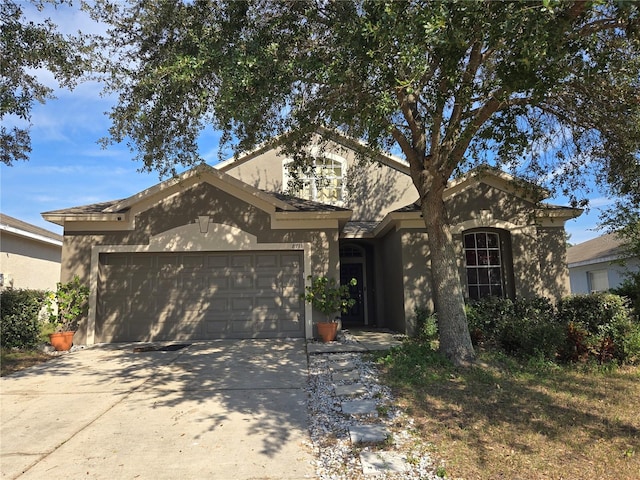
(14, 360)
(503, 419)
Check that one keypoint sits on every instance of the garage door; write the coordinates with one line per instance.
(199, 296)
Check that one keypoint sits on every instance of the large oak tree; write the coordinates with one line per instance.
(549, 89)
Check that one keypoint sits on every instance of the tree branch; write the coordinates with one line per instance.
(408, 105)
(483, 114)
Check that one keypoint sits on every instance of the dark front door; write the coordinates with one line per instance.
(355, 315)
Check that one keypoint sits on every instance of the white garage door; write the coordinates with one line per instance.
(199, 296)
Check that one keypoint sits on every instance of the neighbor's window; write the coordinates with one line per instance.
(598, 281)
(326, 186)
(484, 265)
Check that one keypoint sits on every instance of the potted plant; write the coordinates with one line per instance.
(329, 297)
(66, 307)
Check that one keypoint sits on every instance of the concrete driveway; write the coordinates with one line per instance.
(220, 410)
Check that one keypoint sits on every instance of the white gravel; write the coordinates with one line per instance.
(337, 457)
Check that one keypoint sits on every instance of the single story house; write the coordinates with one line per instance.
(599, 264)
(29, 255)
(225, 251)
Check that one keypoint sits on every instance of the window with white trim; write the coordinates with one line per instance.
(598, 280)
(324, 182)
(483, 260)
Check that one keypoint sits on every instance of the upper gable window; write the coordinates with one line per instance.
(323, 183)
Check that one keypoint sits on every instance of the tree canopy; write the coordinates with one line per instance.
(547, 89)
(25, 47)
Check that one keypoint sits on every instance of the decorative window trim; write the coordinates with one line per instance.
(312, 189)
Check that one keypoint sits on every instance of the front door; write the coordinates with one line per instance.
(355, 315)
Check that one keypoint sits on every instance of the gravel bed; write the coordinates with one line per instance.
(337, 457)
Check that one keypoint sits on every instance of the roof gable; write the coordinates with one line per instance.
(337, 137)
(121, 213)
(203, 173)
(496, 178)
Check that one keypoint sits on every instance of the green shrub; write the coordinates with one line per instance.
(524, 327)
(533, 330)
(599, 326)
(19, 324)
(487, 318)
(426, 324)
(630, 288)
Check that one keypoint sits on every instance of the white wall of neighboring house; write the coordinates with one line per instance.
(595, 265)
(29, 256)
(599, 276)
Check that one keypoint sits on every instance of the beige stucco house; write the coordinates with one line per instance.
(224, 252)
(29, 255)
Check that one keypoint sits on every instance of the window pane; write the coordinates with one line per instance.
(495, 277)
(494, 257)
(469, 240)
(492, 240)
(483, 276)
(471, 258)
(481, 238)
(599, 281)
(472, 276)
(474, 294)
(483, 257)
(496, 290)
(484, 291)
(323, 182)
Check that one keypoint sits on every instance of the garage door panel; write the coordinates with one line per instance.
(217, 261)
(220, 283)
(267, 281)
(241, 260)
(199, 296)
(267, 260)
(216, 329)
(291, 260)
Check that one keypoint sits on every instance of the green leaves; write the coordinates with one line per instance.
(328, 296)
(24, 47)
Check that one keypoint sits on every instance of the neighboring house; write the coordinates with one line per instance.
(29, 255)
(595, 265)
(224, 253)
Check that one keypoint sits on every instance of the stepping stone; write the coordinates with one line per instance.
(376, 463)
(368, 433)
(346, 376)
(343, 365)
(353, 389)
(359, 407)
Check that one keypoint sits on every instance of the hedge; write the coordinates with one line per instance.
(19, 324)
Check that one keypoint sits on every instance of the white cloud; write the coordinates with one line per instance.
(600, 202)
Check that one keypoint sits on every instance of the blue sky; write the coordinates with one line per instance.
(68, 168)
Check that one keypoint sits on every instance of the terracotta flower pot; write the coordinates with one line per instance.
(61, 341)
(327, 331)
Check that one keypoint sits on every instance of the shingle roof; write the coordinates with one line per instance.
(307, 205)
(12, 222)
(298, 203)
(608, 245)
(92, 208)
(355, 229)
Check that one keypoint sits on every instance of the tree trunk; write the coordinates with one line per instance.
(455, 341)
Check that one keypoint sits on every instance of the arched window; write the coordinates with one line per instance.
(324, 182)
(484, 264)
